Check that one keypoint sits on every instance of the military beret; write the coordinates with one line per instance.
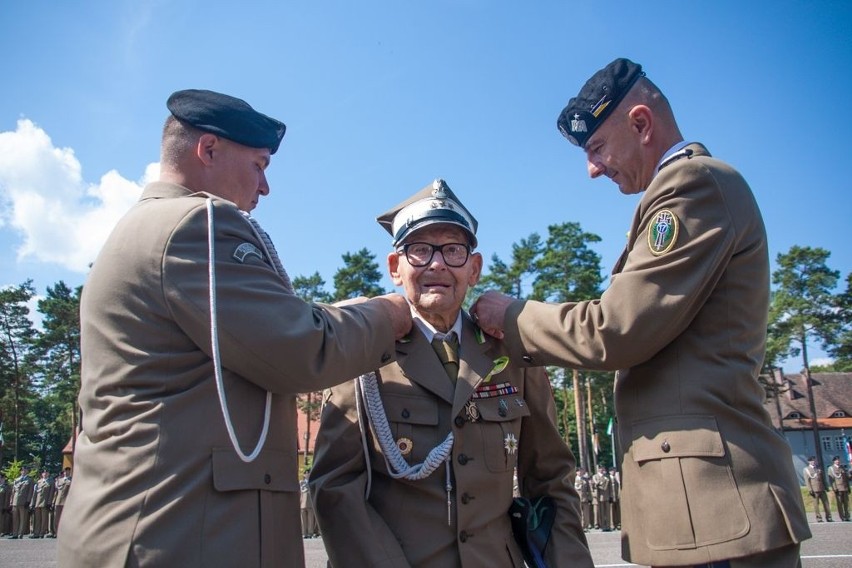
(226, 116)
(597, 99)
(435, 203)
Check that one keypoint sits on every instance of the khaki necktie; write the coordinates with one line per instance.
(447, 351)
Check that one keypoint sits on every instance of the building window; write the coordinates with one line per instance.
(838, 444)
(826, 443)
(839, 414)
(795, 415)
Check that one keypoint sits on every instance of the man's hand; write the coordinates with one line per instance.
(398, 311)
(489, 312)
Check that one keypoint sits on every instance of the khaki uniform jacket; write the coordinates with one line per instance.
(404, 523)
(838, 478)
(62, 486)
(42, 493)
(814, 479)
(22, 491)
(156, 480)
(601, 487)
(704, 474)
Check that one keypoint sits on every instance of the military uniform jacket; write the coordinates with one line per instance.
(61, 491)
(42, 493)
(601, 487)
(405, 523)
(5, 497)
(22, 491)
(704, 474)
(813, 479)
(157, 481)
(583, 488)
(838, 478)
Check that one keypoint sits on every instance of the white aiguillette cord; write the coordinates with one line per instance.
(214, 329)
(368, 388)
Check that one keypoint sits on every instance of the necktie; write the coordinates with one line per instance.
(447, 351)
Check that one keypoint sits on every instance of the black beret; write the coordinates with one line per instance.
(435, 203)
(226, 116)
(597, 99)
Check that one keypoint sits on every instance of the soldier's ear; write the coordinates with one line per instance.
(641, 121)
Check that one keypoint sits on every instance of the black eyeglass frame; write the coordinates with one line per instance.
(403, 250)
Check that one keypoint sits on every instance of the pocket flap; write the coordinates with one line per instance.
(269, 472)
(410, 409)
(491, 411)
(677, 437)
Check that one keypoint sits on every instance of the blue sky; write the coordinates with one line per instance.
(380, 98)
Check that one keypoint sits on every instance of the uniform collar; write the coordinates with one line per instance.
(676, 148)
(429, 330)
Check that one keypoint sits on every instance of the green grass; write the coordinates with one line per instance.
(809, 501)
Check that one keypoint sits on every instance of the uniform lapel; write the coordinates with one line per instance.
(474, 364)
(419, 364)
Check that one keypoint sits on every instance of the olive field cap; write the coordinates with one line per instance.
(228, 117)
(435, 203)
(596, 100)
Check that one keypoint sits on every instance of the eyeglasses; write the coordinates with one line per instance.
(420, 254)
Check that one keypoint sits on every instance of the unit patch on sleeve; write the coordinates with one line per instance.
(245, 250)
(662, 232)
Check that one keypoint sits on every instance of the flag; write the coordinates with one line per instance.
(847, 444)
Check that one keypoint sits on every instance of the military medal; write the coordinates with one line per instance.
(511, 444)
(471, 411)
(405, 446)
(503, 409)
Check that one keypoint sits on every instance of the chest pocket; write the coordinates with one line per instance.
(414, 418)
(500, 426)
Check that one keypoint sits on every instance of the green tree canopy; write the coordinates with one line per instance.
(842, 348)
(311, 288)
(17, 334)
(802, 308)
(360, 276)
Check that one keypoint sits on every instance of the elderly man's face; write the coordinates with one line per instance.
(436, 290)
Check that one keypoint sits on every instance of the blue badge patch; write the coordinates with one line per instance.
(245, 250)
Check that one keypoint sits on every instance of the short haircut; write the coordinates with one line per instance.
(179, 138)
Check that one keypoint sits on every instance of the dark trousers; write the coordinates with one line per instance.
(842, 500)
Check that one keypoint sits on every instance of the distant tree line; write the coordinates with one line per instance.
(40, 366)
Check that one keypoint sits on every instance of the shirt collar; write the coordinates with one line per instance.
(429, 330)
(676, 148)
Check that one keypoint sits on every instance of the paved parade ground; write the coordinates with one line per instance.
(830, 547)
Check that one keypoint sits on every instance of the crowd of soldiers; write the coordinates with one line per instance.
(32, 507)
(838, 483)
(599, 498)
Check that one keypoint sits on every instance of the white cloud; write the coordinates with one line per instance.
(821, 361)
(62, 219)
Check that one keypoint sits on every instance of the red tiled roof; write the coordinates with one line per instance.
(832, 395)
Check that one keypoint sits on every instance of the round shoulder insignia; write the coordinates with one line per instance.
(662, 232)
(405, 446)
